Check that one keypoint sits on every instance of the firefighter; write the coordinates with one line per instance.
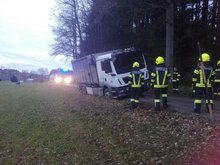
(159, 80)
(193, 84)
(216, 84)
(200, 86)
(136, 80)
(175, 80)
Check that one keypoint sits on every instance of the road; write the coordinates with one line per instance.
(185, 105)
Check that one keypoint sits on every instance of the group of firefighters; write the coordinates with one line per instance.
(206, 82)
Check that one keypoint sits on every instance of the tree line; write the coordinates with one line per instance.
(89, 26)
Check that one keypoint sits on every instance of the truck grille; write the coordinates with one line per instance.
(125, 79)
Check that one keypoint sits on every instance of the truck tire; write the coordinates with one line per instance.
(82, 89)
(107, 93)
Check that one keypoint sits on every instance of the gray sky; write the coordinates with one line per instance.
(25, 35)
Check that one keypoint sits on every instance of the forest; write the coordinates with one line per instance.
(89, 26)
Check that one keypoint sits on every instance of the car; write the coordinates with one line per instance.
(62, 76)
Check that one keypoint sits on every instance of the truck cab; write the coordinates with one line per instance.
(113, 71)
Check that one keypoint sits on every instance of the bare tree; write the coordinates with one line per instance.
(68, 28)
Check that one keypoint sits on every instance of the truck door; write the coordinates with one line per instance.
(106, 72)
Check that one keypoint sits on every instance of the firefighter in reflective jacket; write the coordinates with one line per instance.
(193, 84)
(159, 80)
(175, 80)
(136, 80)
(200, 86)
(216, 84)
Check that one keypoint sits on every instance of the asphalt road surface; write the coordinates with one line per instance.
(185, 105)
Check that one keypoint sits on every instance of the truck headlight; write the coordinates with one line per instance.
(58, 79)
(67, 80)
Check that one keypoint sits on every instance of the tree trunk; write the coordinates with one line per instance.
(197, 11)
(74, 31)
(205, 11)
(218, 29)
(77, 20)
(169, 33)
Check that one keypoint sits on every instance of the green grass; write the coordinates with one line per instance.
(36, 125)
(49, 124)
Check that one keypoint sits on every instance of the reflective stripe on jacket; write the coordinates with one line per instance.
(217, 75)
(198, 78)
(136, 79)
(160, 77)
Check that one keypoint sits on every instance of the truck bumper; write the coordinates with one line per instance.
(120, 92)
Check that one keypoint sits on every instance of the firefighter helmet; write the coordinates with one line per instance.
(218, 63)
(136, 64)
(159, 60)
(205, 57)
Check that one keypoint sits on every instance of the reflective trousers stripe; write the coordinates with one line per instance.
(157, 100)
(133, 100)
(197, 101)
(209, 101)
(164, 95)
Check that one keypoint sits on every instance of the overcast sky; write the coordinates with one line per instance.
(25, 35)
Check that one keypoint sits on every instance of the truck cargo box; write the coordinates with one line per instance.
(85, 72)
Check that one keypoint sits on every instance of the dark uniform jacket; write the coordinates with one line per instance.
(217, 75)
(160, 76)
(198, 78)
(136, 78)
(176, 76)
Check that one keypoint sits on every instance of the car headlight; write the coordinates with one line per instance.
(58, 79)
(67, 80)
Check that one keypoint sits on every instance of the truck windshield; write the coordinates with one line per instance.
(123, 62)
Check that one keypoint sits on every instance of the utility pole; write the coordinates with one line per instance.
(169, 7)
(169, 33)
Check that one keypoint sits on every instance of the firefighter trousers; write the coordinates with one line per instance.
(175, 86)
(198, 98)
(135, 94)
(158, 93)
(216, 90)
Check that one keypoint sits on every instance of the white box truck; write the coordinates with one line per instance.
(107, 73)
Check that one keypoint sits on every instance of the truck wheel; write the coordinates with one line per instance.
(84, 90)
(107, 93)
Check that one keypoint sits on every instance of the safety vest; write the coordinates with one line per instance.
(217, 75)
(176, 76)
(160, 77)
(198, 78)
(136, 79)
